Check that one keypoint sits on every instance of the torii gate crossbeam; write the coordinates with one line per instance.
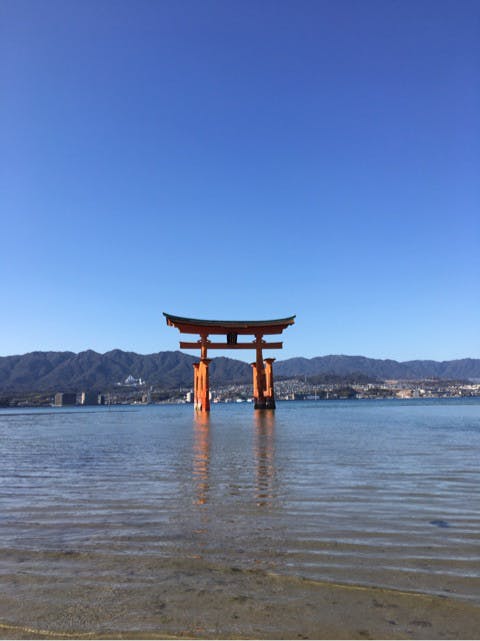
(263, 392)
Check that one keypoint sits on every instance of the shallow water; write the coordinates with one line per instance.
(375, 493)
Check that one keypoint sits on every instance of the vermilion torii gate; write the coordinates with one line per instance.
(262, 368)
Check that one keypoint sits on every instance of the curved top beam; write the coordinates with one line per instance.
(198, 326)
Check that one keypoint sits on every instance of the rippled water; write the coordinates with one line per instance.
(376, 493)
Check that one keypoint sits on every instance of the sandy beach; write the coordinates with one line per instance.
(84, 595)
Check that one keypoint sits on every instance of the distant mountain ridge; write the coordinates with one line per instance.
(383, 369)
(67, 371)
(89, 370)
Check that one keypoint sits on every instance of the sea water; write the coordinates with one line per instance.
(376, 493)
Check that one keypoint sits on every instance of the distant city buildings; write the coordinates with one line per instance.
(292, 389)
(88, 398)
(147, 398)
(65, 398)
(131, 381)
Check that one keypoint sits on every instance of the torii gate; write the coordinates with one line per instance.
(262, 368)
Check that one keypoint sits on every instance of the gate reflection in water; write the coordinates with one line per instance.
(201, 457)
(264, 451)
(263, 456)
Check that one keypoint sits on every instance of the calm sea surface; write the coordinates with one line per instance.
(368, 492)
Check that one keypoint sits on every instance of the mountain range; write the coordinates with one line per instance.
(88, 370)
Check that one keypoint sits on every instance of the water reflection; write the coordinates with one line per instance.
(263, 457)
(264, 452)
(201, 457)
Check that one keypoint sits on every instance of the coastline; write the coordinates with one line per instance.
(76, 595)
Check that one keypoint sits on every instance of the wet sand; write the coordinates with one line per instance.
(76, 595)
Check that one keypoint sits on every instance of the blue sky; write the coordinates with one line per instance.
(223, 159)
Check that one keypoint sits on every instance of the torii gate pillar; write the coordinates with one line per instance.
(201, 387)
(263, 393)
(269, 393)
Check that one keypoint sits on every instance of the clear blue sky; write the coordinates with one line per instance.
(223, 159)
